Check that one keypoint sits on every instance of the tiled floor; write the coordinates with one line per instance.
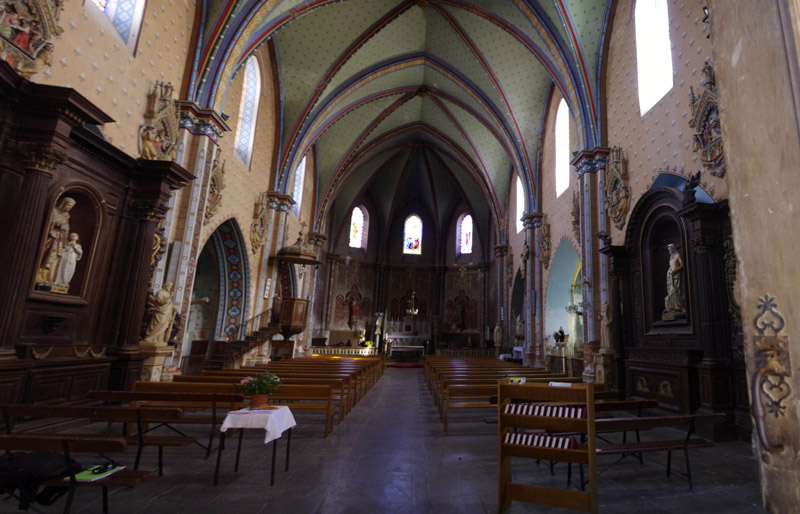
(391, 456)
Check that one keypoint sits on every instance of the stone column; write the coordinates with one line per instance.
(534, 349)
(587, 164)
(500, 252)
(25, 231)
(333, 265)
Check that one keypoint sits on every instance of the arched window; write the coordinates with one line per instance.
(412, 235)
(297, 193)
(359, 224)
(653, 52)
(464, 234)
(562, 148)
(520, 204)
(125, 17)
(248, 110)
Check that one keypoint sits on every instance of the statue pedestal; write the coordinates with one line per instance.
(155, 355)
(589, 349)
(604, 367)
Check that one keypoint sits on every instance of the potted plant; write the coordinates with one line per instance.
(259, 388)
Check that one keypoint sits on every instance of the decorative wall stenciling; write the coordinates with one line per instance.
(543, 243)
(27, 30)
(215, 187)
(770, 384)
(158, 136)
(707, 139)
(234, 257)
(617, 193)
(258, 228)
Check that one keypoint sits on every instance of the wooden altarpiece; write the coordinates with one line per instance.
(57, 341)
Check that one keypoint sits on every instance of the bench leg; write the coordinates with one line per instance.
(688, 466)
(669, 462)
(583, 483)
(288, 445)
(70, 495)
(161, 461)
(138, 458)
(105, 499)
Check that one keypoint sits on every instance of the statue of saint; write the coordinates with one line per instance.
(352, 313)
(605, 326)
(57, 230)
(378, 324)
(674, 301)
(519, 330)
(70, 255)
(162, 313)
(498, 334)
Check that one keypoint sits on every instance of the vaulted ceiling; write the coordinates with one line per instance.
(363, 81)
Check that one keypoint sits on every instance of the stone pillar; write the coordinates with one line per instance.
(333, 265)
(25, 231)
(609, 368)
(500, 252)
(589, 164)
(534, 349)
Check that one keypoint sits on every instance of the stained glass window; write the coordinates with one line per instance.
(465, 234)
(562, 148)
(412, 235)
(653, 52)
(125, 17)
(520, 204)
(299, 177)
(358, 229)
(248, 109)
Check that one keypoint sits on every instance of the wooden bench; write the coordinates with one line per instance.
(69, 445)
(307, 397)
(215, 403)
(125, 415)
(467, 397)
(687, 422)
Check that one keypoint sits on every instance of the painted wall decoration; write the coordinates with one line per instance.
(27, 31)
(617, 193)
(285, 280)
(215, 187)
(771, 382)
(236, 271)
(707, 139)
(158, 136)
(352, 310)
(461, 313)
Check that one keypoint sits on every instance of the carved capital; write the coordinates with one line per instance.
(501, 250)
(146, 210)
(38, 157)
(590, 161)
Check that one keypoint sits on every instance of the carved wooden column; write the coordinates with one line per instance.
(613, 373)
(24, 230)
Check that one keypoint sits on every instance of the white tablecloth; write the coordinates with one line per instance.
(274, 422)
(517, 350)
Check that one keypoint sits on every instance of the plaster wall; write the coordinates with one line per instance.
(90, 57)
(661, 139)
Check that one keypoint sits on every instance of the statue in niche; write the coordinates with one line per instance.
(707, 140)
(258, 228)
(519, 333)
(162, 313)
(606, 319)
(616, 190)
(498, 335)
(57, 232)
(674, 302)
(352, 313)
(277, 301)
(543, 243)
(70, 255)
(378, 324)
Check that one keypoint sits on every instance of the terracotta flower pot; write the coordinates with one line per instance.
(258, 401)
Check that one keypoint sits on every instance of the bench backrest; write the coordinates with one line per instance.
(55, 443)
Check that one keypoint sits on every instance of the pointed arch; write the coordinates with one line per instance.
(248, 110)
(412, 235)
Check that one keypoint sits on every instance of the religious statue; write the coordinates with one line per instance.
(70, 255)
(57, 231)
(162, 313)
(378, 324)
(498, 335)
(559, 336)
(674, 302)
(352, 313)
(276, 308)
(606, 319)
(519, 333)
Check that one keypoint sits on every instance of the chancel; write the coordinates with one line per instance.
(452, 241)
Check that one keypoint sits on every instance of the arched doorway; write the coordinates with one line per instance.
(562, 303)
(221, 277)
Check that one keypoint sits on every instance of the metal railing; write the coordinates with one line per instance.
(249, 326)
(343, 350)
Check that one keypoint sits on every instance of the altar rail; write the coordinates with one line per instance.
(343, 350)
(466, 352)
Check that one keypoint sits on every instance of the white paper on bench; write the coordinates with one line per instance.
(560, 384)
(273, 422)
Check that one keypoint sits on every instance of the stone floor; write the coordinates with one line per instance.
(390, 455)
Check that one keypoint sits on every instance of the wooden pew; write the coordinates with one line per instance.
(216, 403)
(69, 445)
(126, 415)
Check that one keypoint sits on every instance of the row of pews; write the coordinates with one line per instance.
(554, 418)
(163, 414)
